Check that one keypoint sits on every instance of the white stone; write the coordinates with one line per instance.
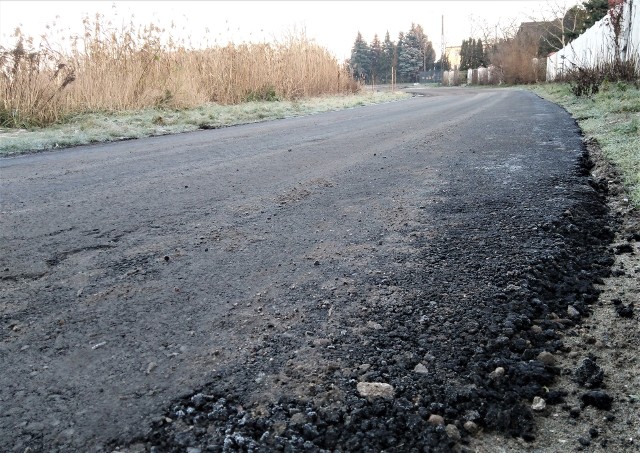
(375, 389)
(538, 404)
(497, 373)
(572, 312)
(421, 369)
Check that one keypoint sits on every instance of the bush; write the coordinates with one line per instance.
(587, 81)
(516, 58)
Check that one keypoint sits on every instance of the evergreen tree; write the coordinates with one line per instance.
(429, 56)
(594, 11)
(412, 54)
(396, 57)
(426, 48)
(387, 59)
(376, 59)
(479, 58)
(468, 58)
(465, 55)
(360, 62)
(573, 22)
(443, 62)
(472, 54)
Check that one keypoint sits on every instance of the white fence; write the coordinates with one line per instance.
(480, 76)
(597, 44)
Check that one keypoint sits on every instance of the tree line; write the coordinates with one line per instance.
(552, 35)
(413, 52)
(521, 51)
(472, 54)
(378, 62)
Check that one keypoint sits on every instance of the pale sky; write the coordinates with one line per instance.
(332, 24)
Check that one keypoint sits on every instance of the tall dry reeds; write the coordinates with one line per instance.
(129, 68)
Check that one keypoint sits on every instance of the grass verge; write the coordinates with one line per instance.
(612, 118)
(101, 127)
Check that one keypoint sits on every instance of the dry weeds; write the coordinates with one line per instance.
(110, 69)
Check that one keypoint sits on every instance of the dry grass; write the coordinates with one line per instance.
(106, 127)
(110, 70)
(516, 58)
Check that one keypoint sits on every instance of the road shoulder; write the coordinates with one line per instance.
(608, 337)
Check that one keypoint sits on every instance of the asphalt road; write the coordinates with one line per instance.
(293, 257)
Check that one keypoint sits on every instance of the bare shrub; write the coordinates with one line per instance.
(586, 81)
(516, 58)
(114, 69)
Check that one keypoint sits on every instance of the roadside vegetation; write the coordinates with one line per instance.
(612, 117)
(130, 82)
(85, 128)
(109, 69)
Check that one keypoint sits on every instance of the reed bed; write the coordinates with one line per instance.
(111, 69)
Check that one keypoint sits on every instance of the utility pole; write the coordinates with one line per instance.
(442, 52)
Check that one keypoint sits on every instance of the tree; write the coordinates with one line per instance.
(478, 55)
(415, 52)
(559, 26)
(409, 57)
(472, 54)
(594, 11)
(426, 47)
(376, 59)
(360, 58)
(443, 64)
(388, 58)
(429, 55)
(572, 22)
(464, 55)
(566, 24)
(399, 51)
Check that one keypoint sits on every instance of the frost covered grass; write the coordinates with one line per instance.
(612, 117)
(89, 128)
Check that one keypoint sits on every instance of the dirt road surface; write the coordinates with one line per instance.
(247, 288)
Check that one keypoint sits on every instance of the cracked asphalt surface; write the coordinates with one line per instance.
(226, 290)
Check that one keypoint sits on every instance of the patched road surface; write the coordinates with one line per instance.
(379, 278)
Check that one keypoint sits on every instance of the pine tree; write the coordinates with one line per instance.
(360, 58)
(464, 55)
(410, 55)
(376, 59)
(387, 59)
(595, 10)
(480, 59)
(426, 47)
(573, 23)
(472, 54)
(443, 62)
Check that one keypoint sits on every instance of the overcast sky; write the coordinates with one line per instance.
(333, 24)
